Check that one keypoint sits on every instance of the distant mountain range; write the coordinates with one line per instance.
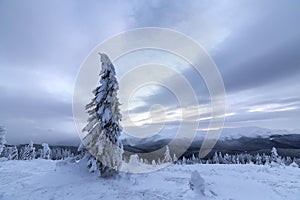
(232, 140)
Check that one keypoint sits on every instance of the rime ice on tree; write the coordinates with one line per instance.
(2, 138)
(28, 152)
(103, 128)
(46, 151)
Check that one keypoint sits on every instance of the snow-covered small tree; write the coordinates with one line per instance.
(167, 156)
(293, 164)
(258, 159)
(2, 138)
(227, 159)
(103, 128)
(92, 165)
(57, 153)
(221, 159)
(194, 159)
(215, 158)
(153, 163)
(288, 161)
(14, 154)
(275, 156)
(66, 153)
(183, 160)
(158, 161)
(28, 152)
(267, 159)
(46, 154)
(175, 158)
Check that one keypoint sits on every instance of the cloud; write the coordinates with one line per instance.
(257, 54)
(42, 47)
(255, 45)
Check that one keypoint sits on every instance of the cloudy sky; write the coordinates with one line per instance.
(255, 44)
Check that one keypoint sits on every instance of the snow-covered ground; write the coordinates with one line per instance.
(46, 179)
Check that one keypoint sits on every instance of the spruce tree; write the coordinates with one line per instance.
(14, 153)
(46, 153)
(2, 138)
(103, 128)
(167, 156)
(28, 152)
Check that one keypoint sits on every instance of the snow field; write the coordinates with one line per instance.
(47, 179)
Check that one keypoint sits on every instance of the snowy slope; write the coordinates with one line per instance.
(45, 179)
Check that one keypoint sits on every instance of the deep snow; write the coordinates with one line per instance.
(46, 179)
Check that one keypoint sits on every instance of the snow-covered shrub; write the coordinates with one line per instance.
(103, 128)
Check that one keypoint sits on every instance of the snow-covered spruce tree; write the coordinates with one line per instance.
(275, 158)
(215, 158)
(2, 138)
(258, 159)
(175, 158)
(103, 128)
(28, 152)
(167, 156)
(14, 154)
(46, 153)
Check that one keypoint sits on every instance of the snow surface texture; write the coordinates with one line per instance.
(47, 179)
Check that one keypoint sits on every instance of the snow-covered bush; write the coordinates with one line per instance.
(103, 128)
